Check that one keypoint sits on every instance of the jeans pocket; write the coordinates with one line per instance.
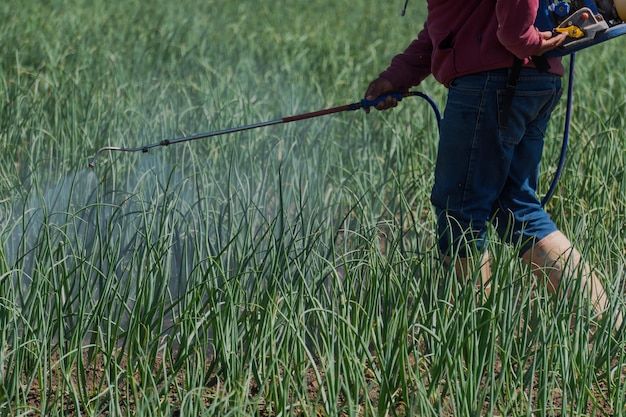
(526, 108)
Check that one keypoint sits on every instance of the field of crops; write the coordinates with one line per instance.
(287, 270)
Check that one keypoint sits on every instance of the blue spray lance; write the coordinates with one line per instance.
(363, 104)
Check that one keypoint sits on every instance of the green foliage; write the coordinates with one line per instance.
(284, 271)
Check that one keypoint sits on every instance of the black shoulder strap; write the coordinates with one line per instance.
(511, 86)
(542, 65)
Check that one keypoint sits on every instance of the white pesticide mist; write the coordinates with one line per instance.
(131, 239)
(53, 205)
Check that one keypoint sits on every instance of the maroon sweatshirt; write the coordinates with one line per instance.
(467, 36)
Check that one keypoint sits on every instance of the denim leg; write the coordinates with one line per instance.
(486, 173)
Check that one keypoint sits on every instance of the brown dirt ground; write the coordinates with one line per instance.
(94, 372)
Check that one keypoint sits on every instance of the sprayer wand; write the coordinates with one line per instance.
(363, 104)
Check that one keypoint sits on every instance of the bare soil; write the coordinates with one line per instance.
(93, 375)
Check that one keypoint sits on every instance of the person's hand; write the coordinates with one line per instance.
(377, 88)
(550, 42)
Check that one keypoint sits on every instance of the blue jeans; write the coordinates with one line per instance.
(489, 174)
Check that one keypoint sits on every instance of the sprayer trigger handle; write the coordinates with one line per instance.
(366, 104)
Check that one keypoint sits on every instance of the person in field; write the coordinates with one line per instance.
(501, 93)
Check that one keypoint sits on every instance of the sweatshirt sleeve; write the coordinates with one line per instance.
(410, 67)
(516, 26)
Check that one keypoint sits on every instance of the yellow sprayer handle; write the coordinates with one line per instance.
(572, 31)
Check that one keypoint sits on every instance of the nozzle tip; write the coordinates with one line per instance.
(92, 165)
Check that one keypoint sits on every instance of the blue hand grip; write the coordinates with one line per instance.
(366, 104)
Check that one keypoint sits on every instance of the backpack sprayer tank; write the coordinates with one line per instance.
(587, 22)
